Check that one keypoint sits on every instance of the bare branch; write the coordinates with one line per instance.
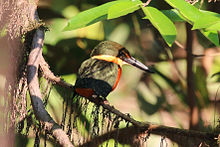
(133, 135)
(48, 74)
(178, 135)
(147, 3)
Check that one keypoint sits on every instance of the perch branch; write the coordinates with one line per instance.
(133, 135)
(175, 134)
(36, 97)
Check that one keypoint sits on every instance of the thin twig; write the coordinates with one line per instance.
(196, 55)
(179, 44)
(47, 73)
(147, 3)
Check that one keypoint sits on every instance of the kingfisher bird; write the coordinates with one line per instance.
(100, 74)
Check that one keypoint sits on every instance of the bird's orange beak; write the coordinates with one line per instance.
(132, 61)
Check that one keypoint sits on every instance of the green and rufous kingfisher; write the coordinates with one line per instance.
(100, 74)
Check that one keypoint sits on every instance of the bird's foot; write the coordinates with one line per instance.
(94, 96)
(99, 100)
(106, 102)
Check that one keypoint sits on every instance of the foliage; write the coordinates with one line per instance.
(207, 22)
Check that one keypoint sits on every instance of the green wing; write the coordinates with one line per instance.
(99, 69)
(98, 75)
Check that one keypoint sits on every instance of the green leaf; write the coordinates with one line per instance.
(198, 18)
(89, 17)
(123, 8)
(188, 11)
(173, 15)
(212, 36)
(162, 23)
(214, 27)
(206, 23)
(206, 20)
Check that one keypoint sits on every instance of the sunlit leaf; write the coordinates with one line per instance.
(207, 19)
(212, 36)
(89, 17)
(173, 15)
(198, 18)
(123, 8)
(188, 11)
(205, 22)
(214, 27)
(163, 24)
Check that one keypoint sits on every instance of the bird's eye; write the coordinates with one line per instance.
(123, 53)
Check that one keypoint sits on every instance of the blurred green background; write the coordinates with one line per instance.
(158, 98)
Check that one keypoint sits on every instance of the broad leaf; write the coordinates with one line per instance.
(193, 16)
(207, 23)
(212, 24)
(206, 20)
(212, 36)
(214, 27)
(163, 24)
(123, 8)
(173, 15)
(188, 11)
(89, 17)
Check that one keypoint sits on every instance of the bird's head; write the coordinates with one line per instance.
(113, 52)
